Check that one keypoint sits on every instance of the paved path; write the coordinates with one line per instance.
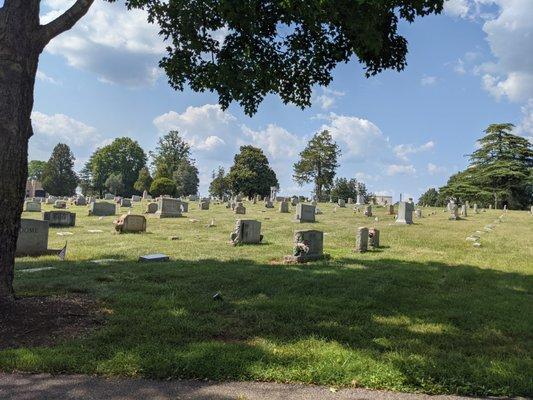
(75, 387)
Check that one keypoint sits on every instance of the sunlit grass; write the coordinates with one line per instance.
(426, 312)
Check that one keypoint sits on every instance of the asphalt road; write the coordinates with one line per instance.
(76, 387)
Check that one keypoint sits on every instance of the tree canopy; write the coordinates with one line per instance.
(122, 157)
(244, 50)
(219, 186)
(500, 171)
(318, 163)
(59, 178)
(36, 169)
(250, 173)
(171, 150)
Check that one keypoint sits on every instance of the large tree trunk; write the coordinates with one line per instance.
(19, 54)
(22, 39)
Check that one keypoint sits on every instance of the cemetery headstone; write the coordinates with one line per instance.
(284, 207)
(109, 196)
(418, 213)
(464, 212)
(341, 203)
(130, 223)
(454, 211)
(361, 240)
(308, 246)
(60, 204)
(391, 209)
(305, 213)
(60, 218)
(368, 211)
(32, 206)
(268, 203)
(102, 208)
(350, 200)
(203, 205)
(135, 198)
(239, 209)
(125, 202)
(80, 201)
(184, 207)
(168, 208)
(247, 231)
(373, 238)
(33, 238)
(151, 208)
(405, 213)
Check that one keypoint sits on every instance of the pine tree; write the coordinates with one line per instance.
(143, 181)
(318, 162)
(59, 178)
(186, 178)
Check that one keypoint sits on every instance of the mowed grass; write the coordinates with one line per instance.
(427, 312)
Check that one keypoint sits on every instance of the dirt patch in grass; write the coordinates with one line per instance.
(44, 321)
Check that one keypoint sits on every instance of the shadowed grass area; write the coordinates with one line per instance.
(427, 312)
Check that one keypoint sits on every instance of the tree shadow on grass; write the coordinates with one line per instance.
(383, 323)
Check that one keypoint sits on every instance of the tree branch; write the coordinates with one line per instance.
(64, 22)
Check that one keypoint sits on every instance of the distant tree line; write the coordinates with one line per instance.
(500, 173)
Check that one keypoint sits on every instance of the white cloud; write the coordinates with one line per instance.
(359, 138)
(428, 80)
(49, 130)
(525, 128)
(328, 98)
(116, 44)
(402, 150)
(435, 169)
(45, 78)
(398, 169)
(457, 8)
(277, 142)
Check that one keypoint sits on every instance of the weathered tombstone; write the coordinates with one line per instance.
(145, 195)
(102, 208)
(505, 208)
(418, 213)
(476, 210)
(467, 204)
(405, 213)
(464, 212)
(239, 209)
(305, 213)
(184, 206)
(158, 257)
(361, 240)
(391, 209)
(125, 202)
(203, 205)
(341, 203)
(350, 200)
(32, 206)
(109, 196)
(268, 203)
(60, 204)
(284, 207)
(373, 238)
(130, 223)
(308, 246)
(151, 208)
(33, 238)
(247, 231)
(135, 198)
(490, 206)
(60, 218)
(294, 201)
(368, 211)
(80, 201)
(168, 208)
(360, 200)
(454, 212)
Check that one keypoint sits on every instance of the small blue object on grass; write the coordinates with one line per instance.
(153, 258)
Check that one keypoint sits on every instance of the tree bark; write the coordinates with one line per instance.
(22, 39)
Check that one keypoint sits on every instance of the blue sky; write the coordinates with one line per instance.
(398, 132)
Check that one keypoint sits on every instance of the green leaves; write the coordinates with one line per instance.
(246, 49)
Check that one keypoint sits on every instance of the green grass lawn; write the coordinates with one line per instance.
(427, 312)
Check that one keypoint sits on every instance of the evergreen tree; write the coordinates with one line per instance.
(318, 162)
(219, 186)
(344, 189)
(163, 186)
(250, 173)
(500, 171)
(36, 169)
(59, 178)
(186, 178)
(143, 181)
(430, 197)
(171, 150)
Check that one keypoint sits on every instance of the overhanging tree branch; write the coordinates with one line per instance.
(65, 21)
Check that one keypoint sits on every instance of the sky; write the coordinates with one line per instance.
(399, 132)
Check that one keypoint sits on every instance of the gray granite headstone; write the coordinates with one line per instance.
(32, 206)
(60, 218)
(341, 203)
(168, 208)
(102, 208)
(305, 213)
(405, 213)
(361, 240)
(153, 258)
(247, 231)
(151, 208)
(33, 238)
(284, 207)
(308, 246)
